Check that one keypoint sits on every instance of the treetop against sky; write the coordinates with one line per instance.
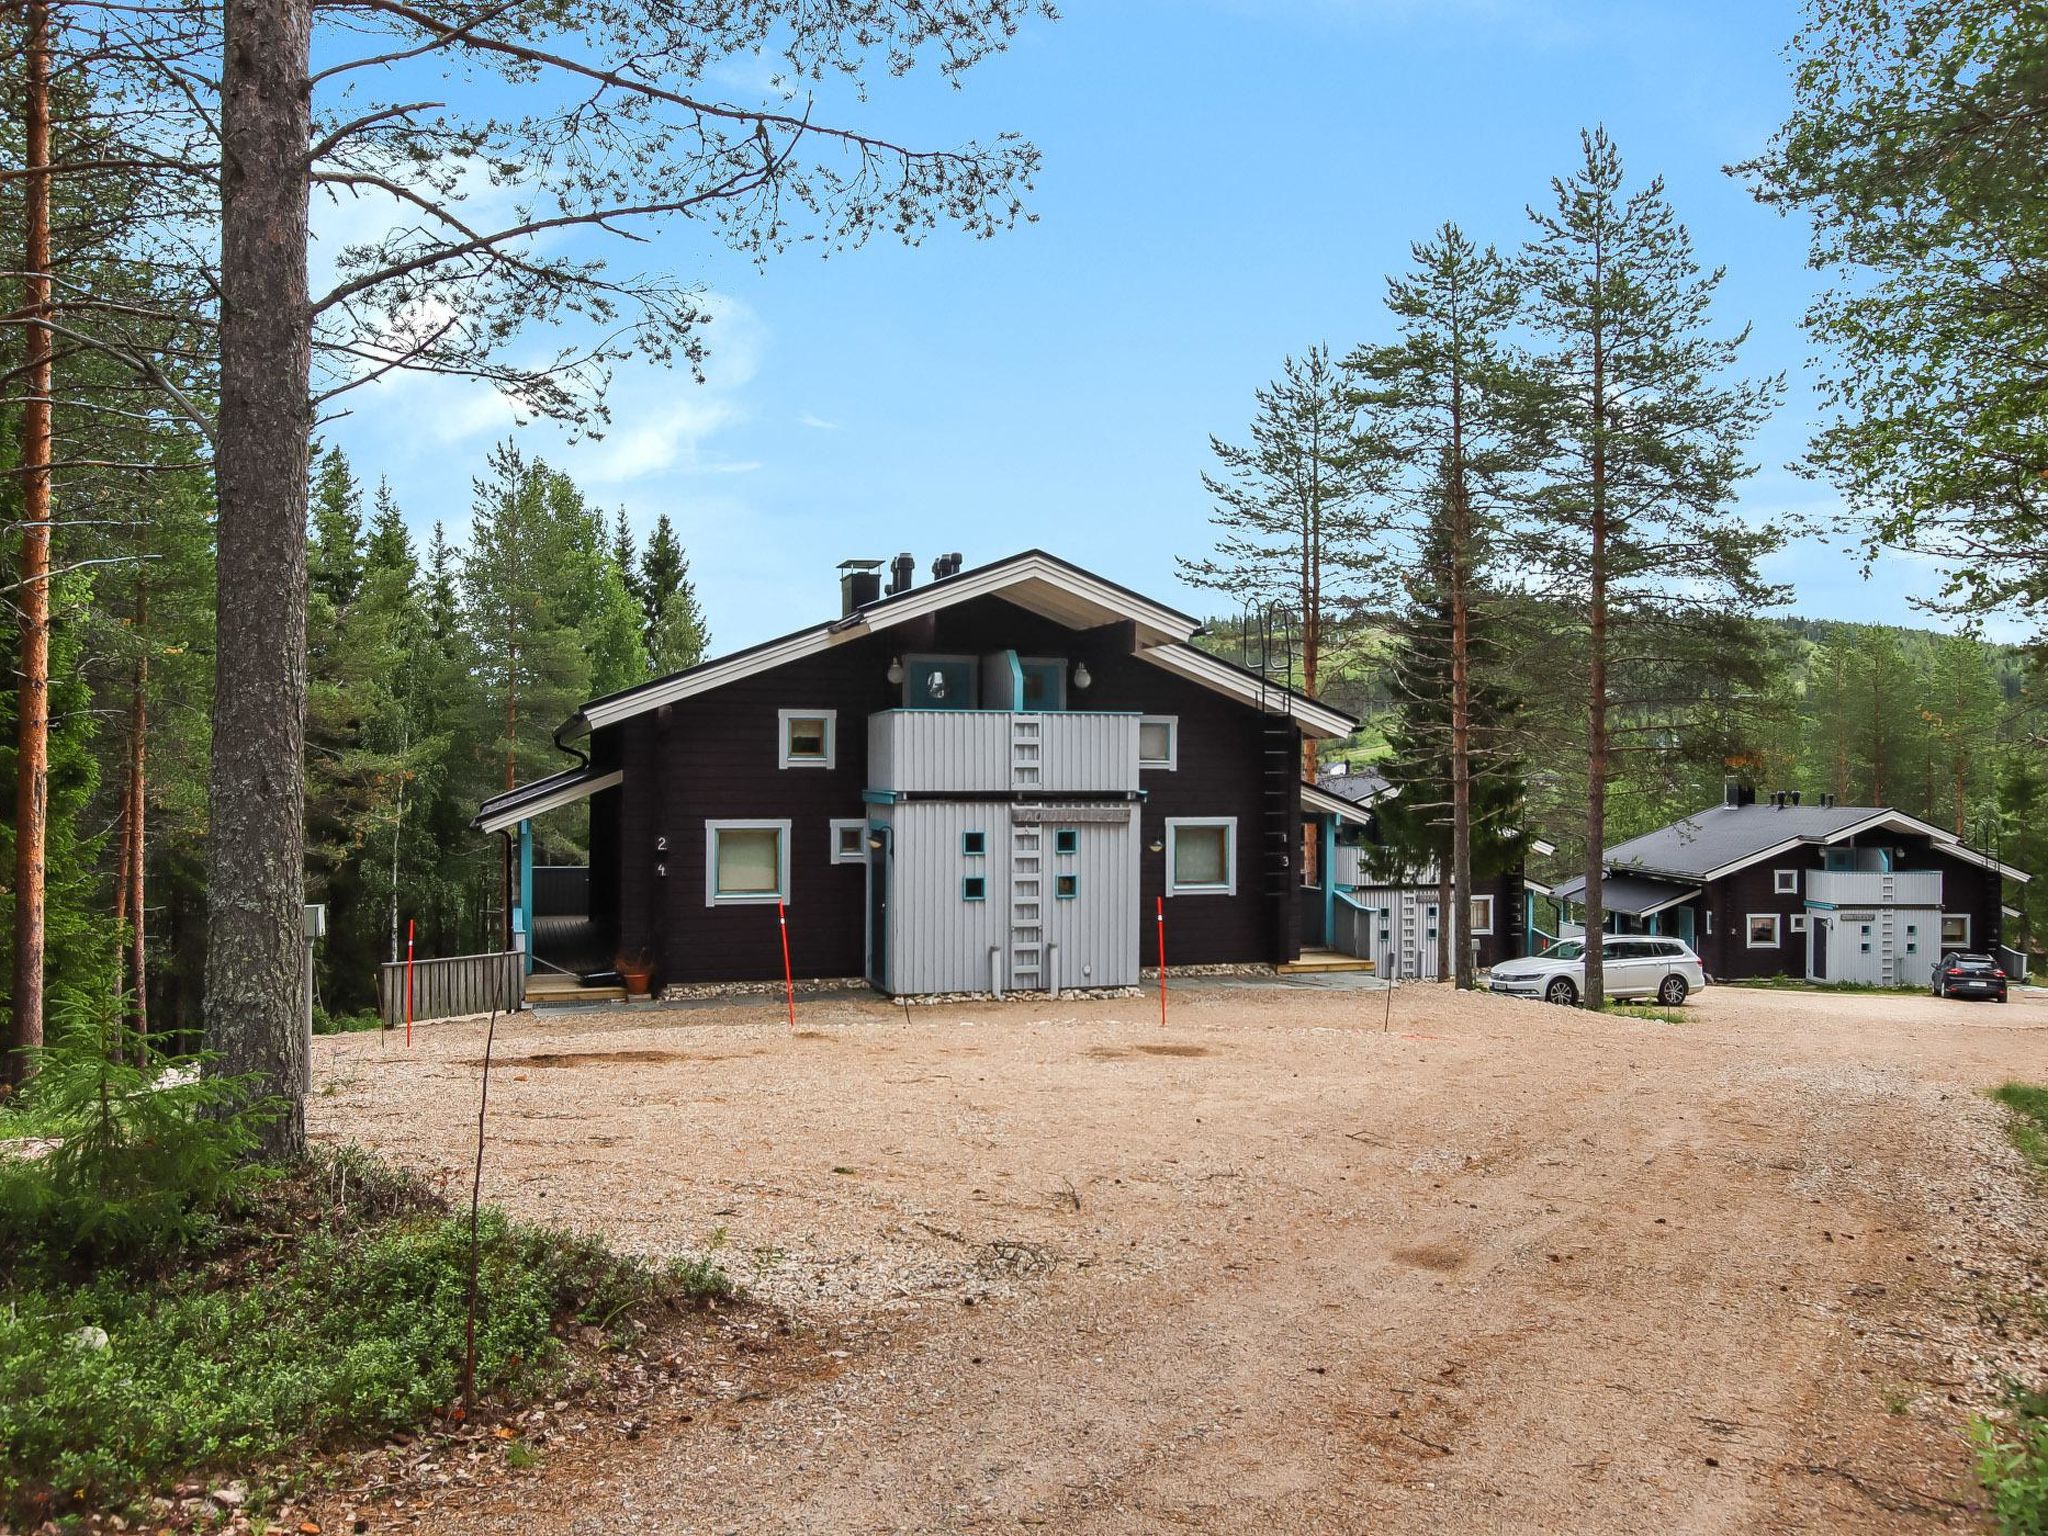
(1224, 183)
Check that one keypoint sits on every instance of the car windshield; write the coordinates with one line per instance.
(1570, 949)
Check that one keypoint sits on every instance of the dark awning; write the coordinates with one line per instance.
(1630, 895)
(548, 794)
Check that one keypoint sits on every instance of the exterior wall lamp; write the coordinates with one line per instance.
(1082, 676)
(895, 671)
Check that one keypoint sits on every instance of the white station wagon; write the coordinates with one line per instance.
(1632, 965)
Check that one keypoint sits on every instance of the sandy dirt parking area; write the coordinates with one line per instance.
(1285, 1265)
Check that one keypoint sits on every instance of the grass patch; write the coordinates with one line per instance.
(2027, 1122)
(1801, 984)
(325, 1023)
(1644, 1012)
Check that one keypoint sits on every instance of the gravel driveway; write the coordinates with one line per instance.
(1288, 1264)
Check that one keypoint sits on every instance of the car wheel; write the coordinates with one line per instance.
(1672, 993)
(1562, 992)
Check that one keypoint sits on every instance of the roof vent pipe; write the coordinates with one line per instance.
(902, 573)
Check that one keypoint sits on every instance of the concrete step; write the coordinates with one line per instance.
(1315, 961)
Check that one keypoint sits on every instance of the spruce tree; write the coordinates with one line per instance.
(1635, 537)
(677, 636)
(334, 554)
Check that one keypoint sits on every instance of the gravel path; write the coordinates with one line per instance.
(1280, 1266)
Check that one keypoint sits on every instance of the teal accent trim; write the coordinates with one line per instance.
(1066, 887)
(526, 890)
(973, 845)
(1016, 681)
(1329, 873)
(1066, 840)
(974, 888)
(878, 797)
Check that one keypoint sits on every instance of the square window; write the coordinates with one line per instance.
(1159, 741)
(974, 844)
(1763, 930)
(1201, 856)
(974, 888)
(1045, 684)
(1955, 930)
(1482, 914)
(808, 737)
(1066, 840)
(1785, 882)
(849, 842)
(1865, 946)
(1798, 922)
(1912, 949)
(746, 862)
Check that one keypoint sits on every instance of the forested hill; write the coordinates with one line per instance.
(1940, 726)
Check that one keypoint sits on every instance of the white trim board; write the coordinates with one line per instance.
(568, 794)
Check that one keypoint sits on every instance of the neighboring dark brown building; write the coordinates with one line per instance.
(1835, 893)
(995, 779)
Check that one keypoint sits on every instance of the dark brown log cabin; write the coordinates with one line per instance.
(994, 779)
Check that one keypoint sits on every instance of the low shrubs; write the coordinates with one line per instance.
(2013, 1465)
(167, 1308)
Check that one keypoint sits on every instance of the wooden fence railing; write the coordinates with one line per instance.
(451, 988)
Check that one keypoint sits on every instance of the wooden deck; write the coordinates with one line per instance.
(1317, 962)
(554, 987)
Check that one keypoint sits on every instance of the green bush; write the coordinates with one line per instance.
(145, 1158)
(2028, 1125)
(325, 1023)
(2013, 1466)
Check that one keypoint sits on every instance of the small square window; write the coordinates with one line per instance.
(1763, 930)
(808, 737)
(1912, 949)
(1201, 856)
(1066, 887)
(1482, 915)
(1955, 930)
(974, 844)
(1798, 922)
(849, 842)
(974, 888)
(1159, 741)
(1865, 946)
(746, 861)
(1785, 882)
(1066, 840)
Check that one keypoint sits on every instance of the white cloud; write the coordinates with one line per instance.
(818, 423)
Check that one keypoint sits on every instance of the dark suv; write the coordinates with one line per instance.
(1960, 974)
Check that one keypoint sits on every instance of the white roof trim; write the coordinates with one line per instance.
(568, 794)
(1333, 805)
(996, 579)
(714, 674)
(1314, 719)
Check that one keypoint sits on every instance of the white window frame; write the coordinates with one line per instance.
(1784, 882)
(712, 896)
(1969, 930)
(1796, 923)
(1169, 763)
(857, 824)
(1477, 930)
(782, 753)
(1749, 938)
(1229, 825)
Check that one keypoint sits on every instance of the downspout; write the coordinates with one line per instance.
(582, 757)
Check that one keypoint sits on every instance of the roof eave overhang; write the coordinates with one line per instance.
(523, 804)
(1318, 720)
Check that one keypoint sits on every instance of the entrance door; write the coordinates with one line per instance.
(1817, 940)
(881, 847)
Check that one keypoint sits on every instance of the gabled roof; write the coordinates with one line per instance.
(543, 795)
(1036, 581)
(1716, 842)
(1317, 798)
(1360, 786)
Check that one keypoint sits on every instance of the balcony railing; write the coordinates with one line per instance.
(979, 751)
(1873, 888)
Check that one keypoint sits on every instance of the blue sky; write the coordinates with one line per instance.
(1225, 182)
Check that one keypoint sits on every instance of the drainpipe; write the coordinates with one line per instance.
(582, 757)
(995, 971)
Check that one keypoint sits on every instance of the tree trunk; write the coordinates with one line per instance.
(32, 763)
(256, 853)
(1596, 724)
(1460, 509)
(136, 840)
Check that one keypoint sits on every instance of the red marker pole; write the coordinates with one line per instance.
(408, 983)
(788, 977)
(1159, 921)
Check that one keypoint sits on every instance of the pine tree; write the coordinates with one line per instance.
(1645, 446)
(1298, 522)
(389, 545)
(1450, 408)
